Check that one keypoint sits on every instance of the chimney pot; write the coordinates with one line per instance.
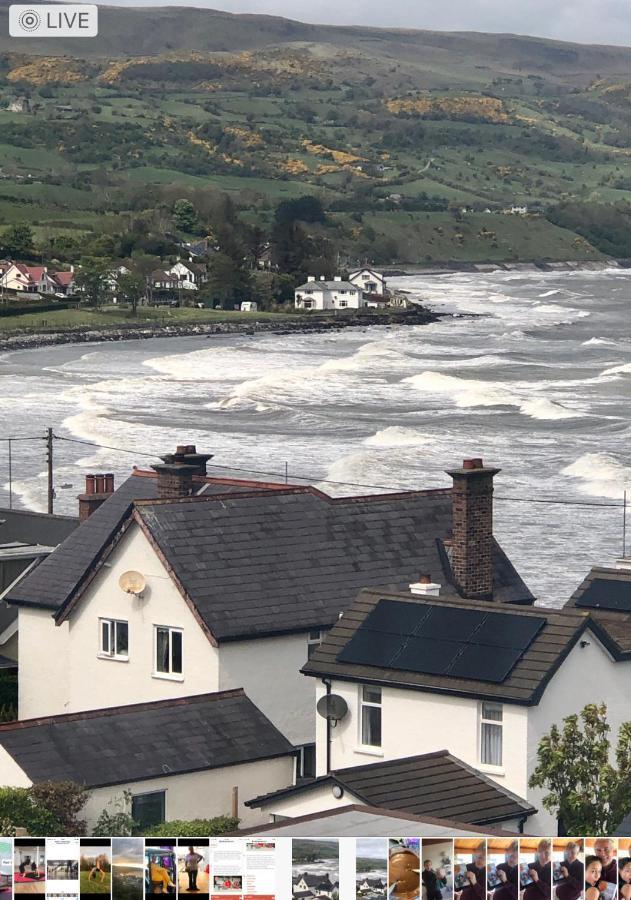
(89, 484)
(97, 489)
(424, 579)
(475, 463)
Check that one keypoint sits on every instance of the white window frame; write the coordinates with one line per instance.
(371, 704)
(314, 639)
(487, 722)
(111, 653)
(170, 675)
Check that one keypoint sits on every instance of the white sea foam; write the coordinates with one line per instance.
(598, 342)
(464, 392)
(546, 409)
(601, 474)
(550, 293)
(398, 436)
(623, 369)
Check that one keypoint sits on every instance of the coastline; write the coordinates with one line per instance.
(132, 331)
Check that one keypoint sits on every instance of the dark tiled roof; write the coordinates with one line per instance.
(524, 684)
(34, 528)
(146, 740)
(606, 594)
(293, 560)
(58, 576)
(433, 784)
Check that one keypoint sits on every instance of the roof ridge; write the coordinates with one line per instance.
(470, 603)
(433, 754)
(128, 709)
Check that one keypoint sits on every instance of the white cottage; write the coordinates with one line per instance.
(328, 295)
(369, 281)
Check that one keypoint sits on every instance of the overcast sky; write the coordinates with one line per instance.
(587, 21)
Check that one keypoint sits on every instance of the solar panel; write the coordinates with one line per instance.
(435, 639)
(607, 593)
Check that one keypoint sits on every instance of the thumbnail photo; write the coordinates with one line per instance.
(62, 869)
(315, 868)
(227, 884)
(469, 868)
(95, 867)
(29, 867)
(502, 871)
(160, 867)
(127, 868)
(568, 869)
(437, 872)
(6, 866)
(193, 868)
(404, 869)
(601, 869)
(535, 868)
(371, 868)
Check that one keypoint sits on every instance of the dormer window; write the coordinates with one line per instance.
(113, 639)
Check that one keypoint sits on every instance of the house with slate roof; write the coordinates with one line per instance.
(322, 295)
(184, 758)
(240, 582)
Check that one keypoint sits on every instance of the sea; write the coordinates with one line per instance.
(529, 370)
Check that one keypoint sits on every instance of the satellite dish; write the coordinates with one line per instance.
(332, 707)
(132, 582)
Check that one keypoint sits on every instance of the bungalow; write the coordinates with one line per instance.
(180, 583)
(369, 281)
(323, 295)
(184, 758)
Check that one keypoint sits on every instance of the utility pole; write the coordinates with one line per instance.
(10, 477)
(49, 462)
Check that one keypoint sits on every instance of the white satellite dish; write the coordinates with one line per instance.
(132, 582)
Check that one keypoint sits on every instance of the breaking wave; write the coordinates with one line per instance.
(600, 474)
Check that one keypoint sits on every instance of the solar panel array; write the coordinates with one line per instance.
(607, 593)
(442, 640)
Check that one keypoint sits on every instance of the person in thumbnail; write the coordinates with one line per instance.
(191, 864)
(160, 879)
(433, 881)
(97, 869)
(624, 878)
(508, 874)
(593, 875)
(573, 873)
(476, 876)
(605, 850)
(541, 873)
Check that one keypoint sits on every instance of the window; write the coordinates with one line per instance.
(313, 642)
(370, 716)
(148, 809)
(168, 644)
(114, 638)
(342, 304)
(306, 761)
(491, 734)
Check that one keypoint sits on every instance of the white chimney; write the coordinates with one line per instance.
(425, 587)
(311, 278)
(624, 563)
(322, 278)
(337, 278)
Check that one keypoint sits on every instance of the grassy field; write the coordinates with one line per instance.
(116, 317)
(96, 886)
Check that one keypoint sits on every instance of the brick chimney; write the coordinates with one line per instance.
(472, 539)
(175, 475)
(97, 489)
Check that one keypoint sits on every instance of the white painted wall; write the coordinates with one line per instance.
(304, 804)
(268, 669)
(11, 775)
(202, 795)
(60, 667)
(588, 675)
(415, 722)
(328, 298)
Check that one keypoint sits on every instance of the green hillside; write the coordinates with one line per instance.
(416, 142)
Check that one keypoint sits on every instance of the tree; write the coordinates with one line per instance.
(185, 216)
(228, 281)
(586, 792)
(131, 286)
(16, 241)
(47, 808)
(93, 280)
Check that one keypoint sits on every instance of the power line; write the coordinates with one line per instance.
(310, 479)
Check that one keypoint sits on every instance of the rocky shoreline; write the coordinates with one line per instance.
(144, 331)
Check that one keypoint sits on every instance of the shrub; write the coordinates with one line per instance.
(48, 808)
(194, 828)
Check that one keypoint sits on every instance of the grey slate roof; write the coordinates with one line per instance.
(34, 528)
(146, 740)
(356, 820)
(292, 560)
(328, 285)
(524, 684)
(432, 784)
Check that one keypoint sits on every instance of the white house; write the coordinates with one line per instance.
(322, 295)
(369, 281)
(193, 757)
(239, 583)
(30, 279)
(414, 672)
(190, 275)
